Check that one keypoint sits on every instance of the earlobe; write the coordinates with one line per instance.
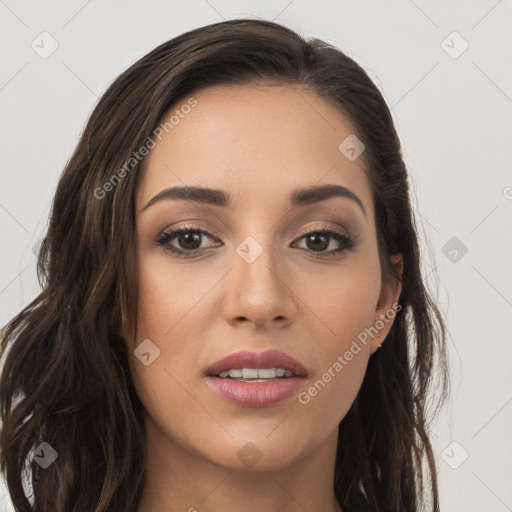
(397, 260)
(385, 310)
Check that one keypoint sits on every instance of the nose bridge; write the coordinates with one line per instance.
(256, 290)
(256, 252)
(255, 264)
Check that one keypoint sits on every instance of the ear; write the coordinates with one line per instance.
(385, 310)
(124, 330)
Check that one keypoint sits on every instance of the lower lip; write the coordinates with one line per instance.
(255, 394)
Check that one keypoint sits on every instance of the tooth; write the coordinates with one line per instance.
(255, 373)
(249, 373)
(267, 373)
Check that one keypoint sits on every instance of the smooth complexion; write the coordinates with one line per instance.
(257, 144)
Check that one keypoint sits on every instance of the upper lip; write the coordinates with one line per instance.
(248, 359)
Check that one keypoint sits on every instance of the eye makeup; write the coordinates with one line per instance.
(192, 236)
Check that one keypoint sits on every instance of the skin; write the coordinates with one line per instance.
(257, 144)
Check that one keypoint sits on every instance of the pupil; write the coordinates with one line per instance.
(190, 240)
(315, 238)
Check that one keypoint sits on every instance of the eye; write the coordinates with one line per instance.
(318, 239)
(189, 240)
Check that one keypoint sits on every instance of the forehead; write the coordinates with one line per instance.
(256, 142)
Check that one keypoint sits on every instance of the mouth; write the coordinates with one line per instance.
(255, 374)
(247, 366)
(251, 379)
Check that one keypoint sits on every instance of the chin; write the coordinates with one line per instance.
(255, 455)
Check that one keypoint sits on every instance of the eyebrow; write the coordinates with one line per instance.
(215, 197)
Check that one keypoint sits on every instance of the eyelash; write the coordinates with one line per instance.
(165, 237)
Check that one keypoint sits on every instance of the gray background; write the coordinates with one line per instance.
(453, 114)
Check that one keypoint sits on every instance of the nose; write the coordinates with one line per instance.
(259, 292)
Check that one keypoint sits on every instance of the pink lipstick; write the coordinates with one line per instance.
(252, 379)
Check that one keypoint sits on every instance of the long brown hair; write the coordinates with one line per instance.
(65, 378)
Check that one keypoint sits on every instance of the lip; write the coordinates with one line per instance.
(267, 359)
(255, 394)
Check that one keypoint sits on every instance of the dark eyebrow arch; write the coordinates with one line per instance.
(305, 196)
(299, 196)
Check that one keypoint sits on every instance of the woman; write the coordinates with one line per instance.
(233, 314)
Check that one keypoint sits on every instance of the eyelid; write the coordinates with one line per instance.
(325, 227)
(341, 235)
(187, 225)
(349, 239)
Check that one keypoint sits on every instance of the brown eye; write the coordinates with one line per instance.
(188, 240)
(319, 239)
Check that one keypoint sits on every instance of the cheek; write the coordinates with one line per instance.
(342, 360)
(167, 294)
(165, 304)
(345, 304)
(173, 303)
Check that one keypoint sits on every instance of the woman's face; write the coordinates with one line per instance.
(253, 279)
